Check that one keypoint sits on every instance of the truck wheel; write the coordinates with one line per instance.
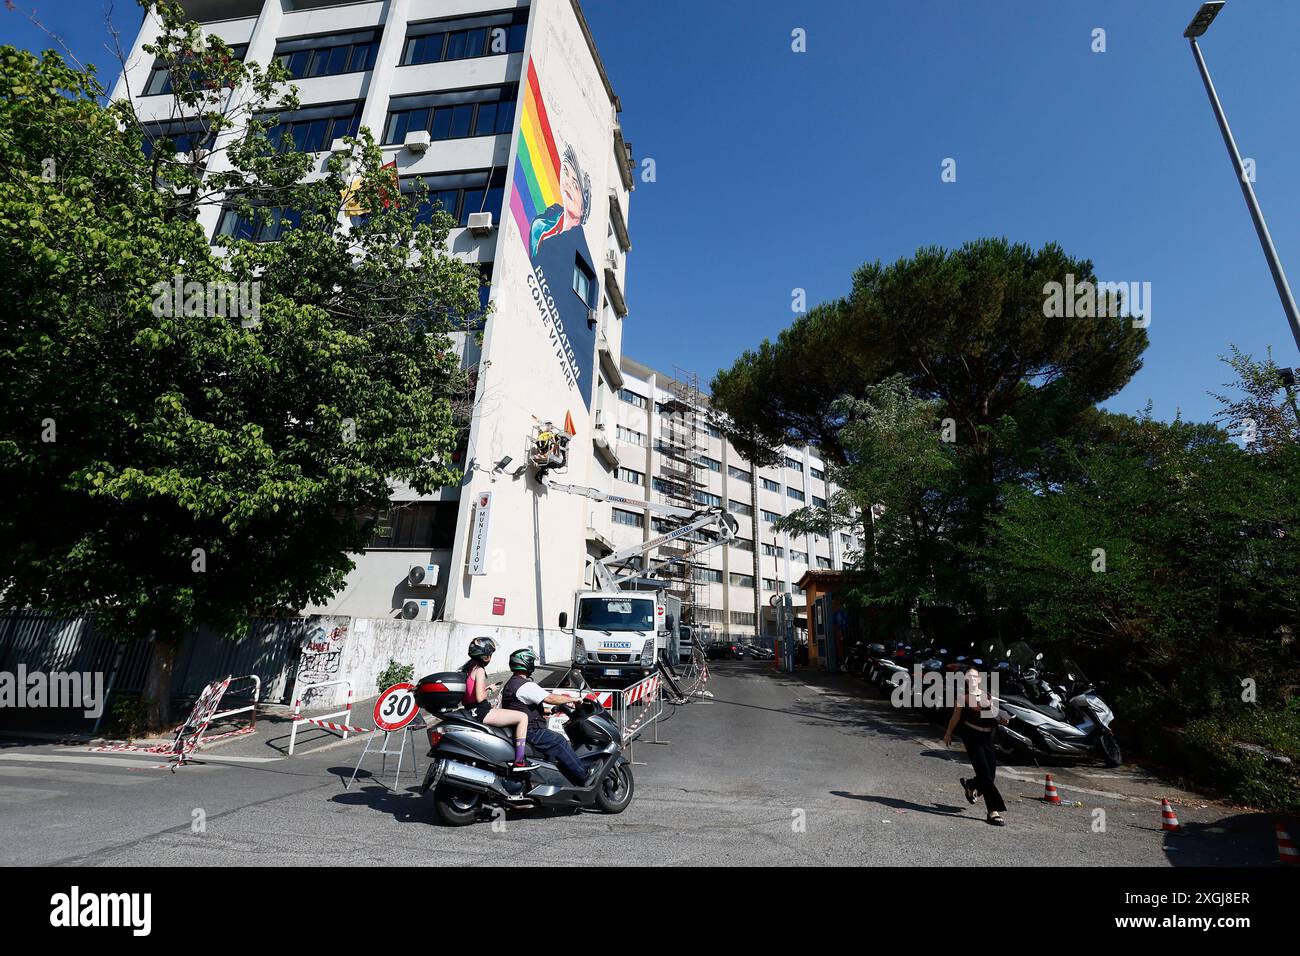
(615, 791)
(456, 808)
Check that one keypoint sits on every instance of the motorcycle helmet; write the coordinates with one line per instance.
(482, 647)
(523, 661)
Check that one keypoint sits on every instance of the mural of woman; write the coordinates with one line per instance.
(572, 210)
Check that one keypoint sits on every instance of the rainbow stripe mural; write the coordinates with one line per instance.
(537, 169)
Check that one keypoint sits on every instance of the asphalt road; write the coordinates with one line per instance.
(774, 769)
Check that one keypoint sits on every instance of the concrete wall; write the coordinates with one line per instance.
(364, 647)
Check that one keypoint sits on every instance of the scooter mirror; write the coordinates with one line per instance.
(1039, 656)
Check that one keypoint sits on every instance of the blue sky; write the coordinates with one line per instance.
(778, 170)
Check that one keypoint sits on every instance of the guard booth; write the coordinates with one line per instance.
(832, 625)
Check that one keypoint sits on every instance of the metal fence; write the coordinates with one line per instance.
(40, 643)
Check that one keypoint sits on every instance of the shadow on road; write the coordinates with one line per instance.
(937, 809)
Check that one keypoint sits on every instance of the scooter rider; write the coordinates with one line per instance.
(523, 694)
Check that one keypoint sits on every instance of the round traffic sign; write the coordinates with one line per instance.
(396, 707)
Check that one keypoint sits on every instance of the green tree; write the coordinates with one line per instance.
(970, 331)
(168, 464)
(894, 464)
(1169, 561)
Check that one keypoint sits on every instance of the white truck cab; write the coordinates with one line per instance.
(618, 635)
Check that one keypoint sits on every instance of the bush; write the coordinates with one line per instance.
(128, 718)
(1212, 752)
(395, 673)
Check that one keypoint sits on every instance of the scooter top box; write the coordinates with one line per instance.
(441, 691)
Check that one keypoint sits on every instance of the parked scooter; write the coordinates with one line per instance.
(1057, 720)
(472, 764)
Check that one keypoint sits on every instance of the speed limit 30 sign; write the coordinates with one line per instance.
(395, 707)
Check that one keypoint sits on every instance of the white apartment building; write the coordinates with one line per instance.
(502, 107)
(641, 412)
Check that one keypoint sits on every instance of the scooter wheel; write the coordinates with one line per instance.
(614, 792)
(1110, 752)
(456, 808)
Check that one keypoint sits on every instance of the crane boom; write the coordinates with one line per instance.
(722, 520)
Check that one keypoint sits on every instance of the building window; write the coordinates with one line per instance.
(817, 473)
(824, 563)
(416, 526)
(707, 499)
(631, 477)
(709, 615)
(160, 78)
(710, 463)
(799, 556)
(770, 485)
(769, 516)
(740, 507)
(742, 580)
(452, 115)
(312, 130)
(819, 502)
(794, 465)
(630, 436)
(632, 398)
(796, 590)
(745, 618)
(267, 224)
(584, 280)
(795, 494)
(629, 518)
(739, 474)
(708, 575)
(769, 584)
(460, 194)
(464, 38)
(773, 551)
(713, 430)
(328, 55)
(743, 544)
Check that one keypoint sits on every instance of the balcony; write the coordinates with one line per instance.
(618, 222)
(623, 159)
(613, 291)
(609, 362)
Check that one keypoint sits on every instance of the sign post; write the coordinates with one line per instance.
(395, 710)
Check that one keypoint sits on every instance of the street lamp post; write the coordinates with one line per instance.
(1200, 23)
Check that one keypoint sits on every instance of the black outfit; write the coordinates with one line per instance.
(976, 729)
(545, 741)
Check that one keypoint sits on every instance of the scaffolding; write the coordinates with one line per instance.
(679, 481)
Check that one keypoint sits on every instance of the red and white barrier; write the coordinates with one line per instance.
(322, 720)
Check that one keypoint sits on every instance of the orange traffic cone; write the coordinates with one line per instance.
(1168, 819)
(1049, 793)
(1286, 849)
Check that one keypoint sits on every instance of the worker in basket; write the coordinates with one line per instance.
(550, 449)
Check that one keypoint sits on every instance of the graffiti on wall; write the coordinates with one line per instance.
(322, 657)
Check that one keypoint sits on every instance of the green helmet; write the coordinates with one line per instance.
(523, 661)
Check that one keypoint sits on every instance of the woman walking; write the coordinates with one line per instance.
(975, 719)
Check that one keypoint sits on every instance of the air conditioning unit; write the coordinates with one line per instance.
(422, 575)
(425, 609)
(417, 140)
(611, 261)
(480, 223)
(593, 318)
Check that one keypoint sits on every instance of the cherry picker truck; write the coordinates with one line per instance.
(628, 621)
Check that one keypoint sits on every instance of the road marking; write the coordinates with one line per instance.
(88, 759)
(1071, 788)
(76, 776)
